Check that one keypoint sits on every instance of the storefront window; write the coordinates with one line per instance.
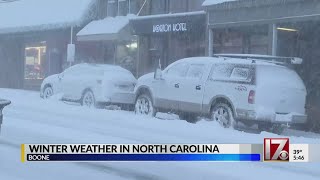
(241, 40)
(136, 5)
(177, 6)
(112, 8)
(228, 42)
(194, 5)
(123, 7)
(159, 6)
(259, 44)
(35, 58)
(126, 55)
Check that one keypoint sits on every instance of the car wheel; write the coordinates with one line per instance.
(88, 99)
(144, 106)
(222, 113)
(47, 92)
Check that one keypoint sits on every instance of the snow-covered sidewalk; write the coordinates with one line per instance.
(30, 119)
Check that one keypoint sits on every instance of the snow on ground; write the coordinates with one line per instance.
(30, 119)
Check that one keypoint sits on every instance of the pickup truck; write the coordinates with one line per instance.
(3, 103)
(253, 89)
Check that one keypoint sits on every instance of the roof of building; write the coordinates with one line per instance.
(230, 4)
(38, 15)
(169, 15)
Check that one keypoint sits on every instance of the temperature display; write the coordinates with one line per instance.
(299, 153)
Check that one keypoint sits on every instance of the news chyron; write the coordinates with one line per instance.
(272, 150)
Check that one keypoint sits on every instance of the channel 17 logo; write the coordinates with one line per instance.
(276, 149)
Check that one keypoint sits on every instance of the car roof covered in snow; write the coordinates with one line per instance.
(226, 60)
(108, 67)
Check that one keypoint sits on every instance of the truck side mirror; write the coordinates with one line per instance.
(158, 72)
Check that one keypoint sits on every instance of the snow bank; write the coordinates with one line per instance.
(30, 15)
(214, 2)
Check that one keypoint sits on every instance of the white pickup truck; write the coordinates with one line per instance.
(3, 103)
(261, 90)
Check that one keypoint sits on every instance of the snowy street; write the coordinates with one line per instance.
(30, 119)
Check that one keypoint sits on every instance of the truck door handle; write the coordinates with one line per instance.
(177, 85)
(198, 87)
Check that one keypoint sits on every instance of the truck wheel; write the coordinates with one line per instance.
(144, 106)
(222, 113)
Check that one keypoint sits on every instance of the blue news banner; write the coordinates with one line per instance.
(139, 152)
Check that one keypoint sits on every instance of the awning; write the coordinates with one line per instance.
(108, 29)
(194, 22)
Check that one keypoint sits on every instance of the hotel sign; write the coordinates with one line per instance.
(171, 24)
(176, 27)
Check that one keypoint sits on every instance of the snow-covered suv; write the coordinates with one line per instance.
(261, 90)
(92, 85)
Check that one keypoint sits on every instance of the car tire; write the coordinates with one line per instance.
(144, 106)
(222, 113)
(47, 92)
(88, 99)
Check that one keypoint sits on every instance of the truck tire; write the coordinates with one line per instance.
(222, 113)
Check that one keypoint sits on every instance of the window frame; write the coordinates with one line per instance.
(175, 65)
(115, 10)
(193, 65)
(234, 78)
(127, 8)
(251, 77)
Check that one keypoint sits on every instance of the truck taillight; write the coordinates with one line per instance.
(251, 97)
